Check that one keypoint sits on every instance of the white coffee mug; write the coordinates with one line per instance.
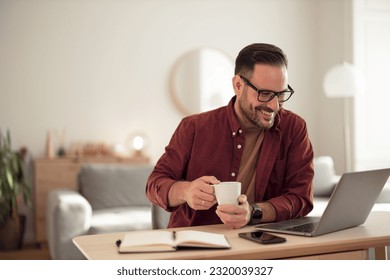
(227, 192)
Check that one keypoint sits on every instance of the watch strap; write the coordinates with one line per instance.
(256, 215)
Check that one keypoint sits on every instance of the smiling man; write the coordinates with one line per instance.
(253, 140)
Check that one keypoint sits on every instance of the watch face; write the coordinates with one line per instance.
(257, 214)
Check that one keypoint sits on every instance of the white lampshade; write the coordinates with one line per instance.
(343, 80)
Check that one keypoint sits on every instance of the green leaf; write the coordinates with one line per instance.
(12, 178)
(9, 178)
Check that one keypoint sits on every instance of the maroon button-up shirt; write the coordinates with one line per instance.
(206, 144)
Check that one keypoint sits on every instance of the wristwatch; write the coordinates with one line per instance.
(256, 215)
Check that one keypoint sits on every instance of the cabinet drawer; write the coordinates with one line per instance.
(60, 171)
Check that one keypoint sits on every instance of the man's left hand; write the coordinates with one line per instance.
(235, 216)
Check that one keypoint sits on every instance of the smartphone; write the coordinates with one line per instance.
(262, 237)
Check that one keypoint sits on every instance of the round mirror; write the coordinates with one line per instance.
(201, 80)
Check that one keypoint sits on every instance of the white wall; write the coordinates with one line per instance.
(99, 69)
(333, 48)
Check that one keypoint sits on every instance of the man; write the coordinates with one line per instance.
(253, 140)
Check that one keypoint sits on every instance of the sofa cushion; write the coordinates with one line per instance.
(114, 185)
(319, 205)
(384, 196)
(325, 178)
(120, 219)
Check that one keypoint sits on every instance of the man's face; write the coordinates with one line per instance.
(250, 111)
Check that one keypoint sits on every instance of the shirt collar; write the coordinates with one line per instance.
(235, 126)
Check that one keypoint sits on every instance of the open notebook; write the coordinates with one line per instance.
(165, 240)
(349, 206)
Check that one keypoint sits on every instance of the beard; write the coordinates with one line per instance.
(254, 115)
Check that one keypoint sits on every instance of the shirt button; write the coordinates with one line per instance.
(233, 174)
(240, 131)
(234, 133)
(239, 146)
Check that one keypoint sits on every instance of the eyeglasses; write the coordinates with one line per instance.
(268, 95)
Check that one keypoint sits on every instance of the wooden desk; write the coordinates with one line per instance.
(346, 244)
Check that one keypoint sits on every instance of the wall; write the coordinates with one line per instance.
(333, 48)
(99, 69)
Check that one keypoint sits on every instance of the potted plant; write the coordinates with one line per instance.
(13, 187)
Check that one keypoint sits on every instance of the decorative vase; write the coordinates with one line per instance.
(12, 232)
(49, 146)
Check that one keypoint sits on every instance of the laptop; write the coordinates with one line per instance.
(349, 206)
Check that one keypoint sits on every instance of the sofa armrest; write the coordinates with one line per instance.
(68, 215)
(325, 178)
(160, 217)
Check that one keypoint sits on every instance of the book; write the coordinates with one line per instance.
(164, 241)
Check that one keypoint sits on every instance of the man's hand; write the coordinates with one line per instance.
(200, 193)
(235, 216)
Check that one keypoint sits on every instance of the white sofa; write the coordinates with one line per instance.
(110, 198)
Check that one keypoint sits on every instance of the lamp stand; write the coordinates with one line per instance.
(347, 134)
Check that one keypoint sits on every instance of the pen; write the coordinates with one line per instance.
(174, 235)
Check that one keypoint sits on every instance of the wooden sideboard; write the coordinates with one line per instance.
(61, 173)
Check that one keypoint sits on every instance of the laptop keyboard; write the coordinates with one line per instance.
(304, 228)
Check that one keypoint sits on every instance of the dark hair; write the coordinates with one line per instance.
(259, 53)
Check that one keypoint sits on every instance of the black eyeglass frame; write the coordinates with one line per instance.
(274, 93)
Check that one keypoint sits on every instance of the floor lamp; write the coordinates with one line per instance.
(344, 81)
